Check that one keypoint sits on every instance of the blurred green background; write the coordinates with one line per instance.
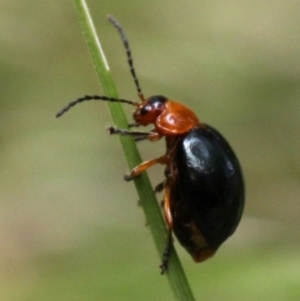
(70, 227)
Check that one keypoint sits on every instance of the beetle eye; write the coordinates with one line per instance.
(145, 110)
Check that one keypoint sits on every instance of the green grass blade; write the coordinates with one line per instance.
(175, 273)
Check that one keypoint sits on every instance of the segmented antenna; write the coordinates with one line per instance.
(118, 26)
(105, 98)
(93, 97)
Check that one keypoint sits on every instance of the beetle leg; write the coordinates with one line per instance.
(113, 130)
(143, 166)
(167, 208)
(160, 187)
(166, 254)
(169, 220)
(143, 137)
(140, 138)
(138, 135)
(131, 125)
(154, 136)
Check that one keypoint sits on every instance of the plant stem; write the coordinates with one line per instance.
(175, 273)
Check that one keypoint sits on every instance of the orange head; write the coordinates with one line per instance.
(149, 110)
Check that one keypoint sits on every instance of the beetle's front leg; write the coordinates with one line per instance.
(138, 135)
(152, 136)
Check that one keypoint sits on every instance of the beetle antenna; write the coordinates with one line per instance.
(94, 97)
(120, 29)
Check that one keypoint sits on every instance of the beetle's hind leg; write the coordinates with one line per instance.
(166, 254)
(169, 221)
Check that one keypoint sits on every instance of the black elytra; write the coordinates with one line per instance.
(207, 190)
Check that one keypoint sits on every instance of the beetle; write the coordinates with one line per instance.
(203, 187)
